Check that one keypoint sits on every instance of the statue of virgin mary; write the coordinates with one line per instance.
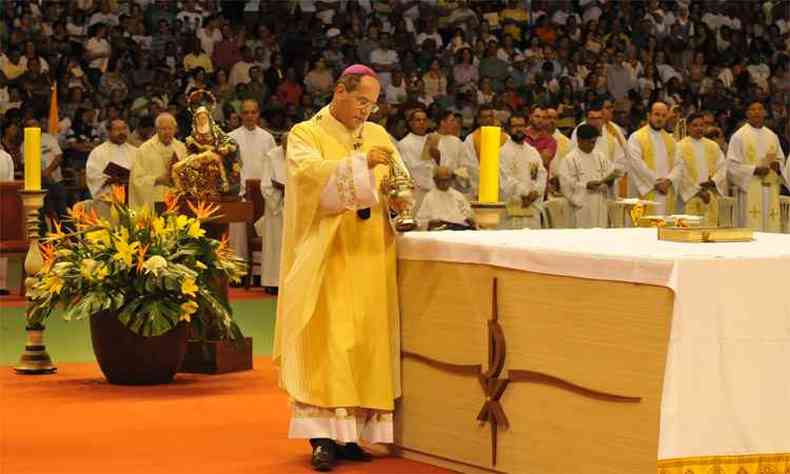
(212, 168)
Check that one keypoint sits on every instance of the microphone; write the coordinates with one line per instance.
(363, 214)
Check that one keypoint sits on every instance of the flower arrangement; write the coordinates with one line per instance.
(151, 271)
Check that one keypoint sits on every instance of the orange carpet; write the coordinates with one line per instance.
(74, 422)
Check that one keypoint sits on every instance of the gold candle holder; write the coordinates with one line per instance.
(35, 359)
(488, 215)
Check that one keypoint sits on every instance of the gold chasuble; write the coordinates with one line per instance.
(649, 158)
(337, 332)
(692, 178)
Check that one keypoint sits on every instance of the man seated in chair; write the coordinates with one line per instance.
(444, 208)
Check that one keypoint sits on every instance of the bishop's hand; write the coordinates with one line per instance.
(379, 155)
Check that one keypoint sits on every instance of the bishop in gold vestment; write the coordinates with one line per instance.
(337, 334)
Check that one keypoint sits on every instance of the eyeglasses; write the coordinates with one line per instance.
(366, 105)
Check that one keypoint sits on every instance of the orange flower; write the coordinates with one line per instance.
(171, 201)
(81, 217)
(48, 255)
(118, 194)
(203, 210)
(58, 234)
(141, 257)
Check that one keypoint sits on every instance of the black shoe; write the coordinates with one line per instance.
(323, 454)
(352, 452)
(271, 290)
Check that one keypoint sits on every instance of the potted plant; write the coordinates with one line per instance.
(144, 279)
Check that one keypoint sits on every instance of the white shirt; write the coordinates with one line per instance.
(386, 57)
(448, 206)
(209, 40)
(436, 37)
(49, 151)
(6, 166)
(253, 146)
(98, 45)
(240, 73)
(107, 19)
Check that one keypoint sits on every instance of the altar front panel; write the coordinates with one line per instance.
(575, 353)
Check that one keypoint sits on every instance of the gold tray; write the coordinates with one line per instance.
(705, 234)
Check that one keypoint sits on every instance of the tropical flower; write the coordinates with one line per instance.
(118, 194)
(124, 251)
(139, 266)
(195, 231)
(87, 268)
(155, 264)
(187, 310)
(171, 201)
(203, 210)
(188, 287)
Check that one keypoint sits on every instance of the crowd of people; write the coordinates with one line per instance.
(535, 67)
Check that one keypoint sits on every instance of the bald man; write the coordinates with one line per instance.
(337, 331)
(254, 144)
(150, 172)
(655, 172)
(443, 206)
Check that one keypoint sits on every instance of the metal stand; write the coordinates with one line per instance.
(35, 359)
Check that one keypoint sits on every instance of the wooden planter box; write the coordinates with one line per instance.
(217, 357)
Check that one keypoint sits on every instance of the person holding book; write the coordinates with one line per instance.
(109, 163)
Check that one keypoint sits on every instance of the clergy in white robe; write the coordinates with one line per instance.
(114, 150)
(443, 206)
(6, 174)
(271, 231)
(755, 166)
(610, 144)
(444, 148)
(654, 172)
(585, 180)
(706, 172)
(411, 149)
(150, 174)
(523, 179)
(254, 144)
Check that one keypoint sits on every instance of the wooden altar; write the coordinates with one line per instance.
(533, 373)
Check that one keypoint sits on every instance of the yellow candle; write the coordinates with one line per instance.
(489, 164)
(32, 159)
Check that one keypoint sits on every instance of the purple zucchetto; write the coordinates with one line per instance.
(359, 70)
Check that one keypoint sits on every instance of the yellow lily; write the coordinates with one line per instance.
(187, 310)
(125, 251)
(188, 287)
(195, 231)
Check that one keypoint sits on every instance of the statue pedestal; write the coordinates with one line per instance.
(220, 356)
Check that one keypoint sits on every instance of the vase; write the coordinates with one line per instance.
(127, 358)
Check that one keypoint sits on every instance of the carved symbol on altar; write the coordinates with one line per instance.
(755, 211)
(773, 215)
(494, 387)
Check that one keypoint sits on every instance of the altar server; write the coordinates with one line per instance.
(524, 176)
(271, 230)
(654, 171)
(706, 172)
(586, 178)
(444, 207)
(114, 150)
(756, 164)
(254, 143)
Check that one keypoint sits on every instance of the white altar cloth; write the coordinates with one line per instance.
(726, 386)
